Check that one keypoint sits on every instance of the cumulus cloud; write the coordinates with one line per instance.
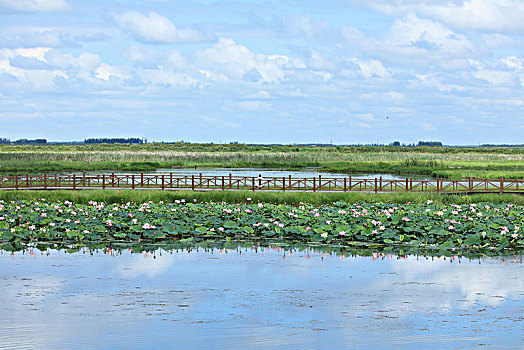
(33, 5)
(372, 69)
(416, 40)
(154, 28)
(106, 71)
(238, 62)
(497, 16)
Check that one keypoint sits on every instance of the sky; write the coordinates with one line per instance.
(287, 71)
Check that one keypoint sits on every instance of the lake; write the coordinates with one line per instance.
(257, 298)
(265, 172)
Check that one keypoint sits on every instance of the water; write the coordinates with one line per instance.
(257, 299)
(255, 172)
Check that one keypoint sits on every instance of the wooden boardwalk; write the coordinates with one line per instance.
(170, 181)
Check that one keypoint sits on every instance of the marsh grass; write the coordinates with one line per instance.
(295, 198)
(453, 163)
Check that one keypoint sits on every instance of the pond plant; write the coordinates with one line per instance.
(444, 227)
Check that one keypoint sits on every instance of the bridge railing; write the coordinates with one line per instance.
(170, 181)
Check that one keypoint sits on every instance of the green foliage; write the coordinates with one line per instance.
(443, 226)
(445, 162)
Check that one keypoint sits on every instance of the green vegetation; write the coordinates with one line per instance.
(293, 198)
(444, 162)
(444, 227)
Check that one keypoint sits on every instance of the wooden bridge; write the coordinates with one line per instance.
(170, 181)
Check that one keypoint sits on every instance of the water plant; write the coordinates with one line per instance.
(443, 226)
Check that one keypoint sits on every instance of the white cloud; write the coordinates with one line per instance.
(166, 78)
(434, 81)
(238, 62)
(34, 5)
(413, 40)
(513, 62)
(372, 69)
(155, 28)
(494, 77)
(105, 72)
(415, 35)
(497, 16)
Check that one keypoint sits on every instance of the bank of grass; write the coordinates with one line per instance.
(295, 198)
(439, 170)
(443, 162)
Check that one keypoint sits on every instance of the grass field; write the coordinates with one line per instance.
(444, 162)
(294, 198)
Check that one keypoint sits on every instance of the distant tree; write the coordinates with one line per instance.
(30, 142)
(429, 143)
(395, 144)
(4, 141)
(132, 140)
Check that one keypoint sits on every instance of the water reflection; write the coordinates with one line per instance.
(268, 172)
(257, 297)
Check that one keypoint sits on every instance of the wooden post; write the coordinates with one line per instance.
(407, 185)
(470, 185)
(223, 182)
(501, 184)
(56, 180)
(83, 179)
(103, 181)
(289, 182)
(200, 179)
(253, 184)
(192, 182)
(142, 180)
(16, 182)
(45, 181)
(163, 182)
(74, 181)
(320, 182)
(260, 180)
(27, 180)
(230, 184)
(438, 187)
(314, 184)
(133, 181)
(113, 179)
(283, 183)
(376, 189)
(345, 187)
(381, 183)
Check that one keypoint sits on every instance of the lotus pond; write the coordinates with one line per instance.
(239, 296)
(478, 227)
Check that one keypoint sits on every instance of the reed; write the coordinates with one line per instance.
(295, 198)
(451, 163)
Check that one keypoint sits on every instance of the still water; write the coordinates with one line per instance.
(264, 298)
(265, 172)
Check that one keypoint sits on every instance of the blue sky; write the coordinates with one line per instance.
(289, 71)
